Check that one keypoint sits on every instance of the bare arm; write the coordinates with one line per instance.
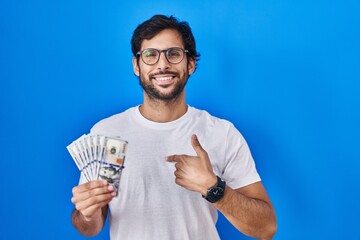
(249, 208)
(91, 206)
(92, 227)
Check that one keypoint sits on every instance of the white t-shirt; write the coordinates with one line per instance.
(150, 205)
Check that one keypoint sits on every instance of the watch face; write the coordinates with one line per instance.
(215, 194)
(218, 191)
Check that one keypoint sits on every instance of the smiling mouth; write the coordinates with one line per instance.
(164, 79)
(161, 79)
(163, 76)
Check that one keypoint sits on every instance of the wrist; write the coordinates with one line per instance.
(208, 184)
(216, 192)
(95, 217)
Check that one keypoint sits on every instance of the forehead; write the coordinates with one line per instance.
(163, 40)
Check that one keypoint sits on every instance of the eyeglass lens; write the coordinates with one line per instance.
(152, 56)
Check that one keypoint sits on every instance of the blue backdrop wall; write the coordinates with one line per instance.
(285, 73)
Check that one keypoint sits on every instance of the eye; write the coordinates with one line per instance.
(149, 53)
(174, 53)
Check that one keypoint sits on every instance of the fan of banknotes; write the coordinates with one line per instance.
(99, 157)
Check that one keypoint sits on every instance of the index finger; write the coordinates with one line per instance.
(174, 158)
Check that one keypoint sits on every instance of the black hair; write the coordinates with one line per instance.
(158, 23)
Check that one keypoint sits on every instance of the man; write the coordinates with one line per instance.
(172, 185)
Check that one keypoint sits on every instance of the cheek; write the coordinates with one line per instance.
(144, 70)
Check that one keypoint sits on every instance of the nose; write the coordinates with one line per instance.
(163, 63)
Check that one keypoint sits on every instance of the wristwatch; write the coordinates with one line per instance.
(216, 192)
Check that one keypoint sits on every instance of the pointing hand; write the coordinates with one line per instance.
(194, 173)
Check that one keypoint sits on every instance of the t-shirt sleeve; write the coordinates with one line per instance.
(240, 169)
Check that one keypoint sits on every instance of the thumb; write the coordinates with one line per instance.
(197, 146)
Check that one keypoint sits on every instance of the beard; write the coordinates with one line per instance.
(155, 94)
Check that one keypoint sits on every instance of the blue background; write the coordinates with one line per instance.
(285, 73)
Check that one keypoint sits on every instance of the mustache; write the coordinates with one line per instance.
(163, 72)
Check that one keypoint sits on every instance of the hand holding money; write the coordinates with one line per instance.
(89, 198)
(99, 157)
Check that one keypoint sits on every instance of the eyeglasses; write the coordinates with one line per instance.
(151, 56)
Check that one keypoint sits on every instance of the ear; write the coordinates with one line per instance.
(136, 67)
(191, 65)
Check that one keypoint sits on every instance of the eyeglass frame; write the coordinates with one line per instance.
(139, 53)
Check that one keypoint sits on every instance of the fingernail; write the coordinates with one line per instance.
(111, 188)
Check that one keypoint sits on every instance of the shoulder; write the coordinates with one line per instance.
(210, 120)
(113, 121)
(218, 128)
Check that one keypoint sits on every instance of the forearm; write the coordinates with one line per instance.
(253, 217)
(89, 228)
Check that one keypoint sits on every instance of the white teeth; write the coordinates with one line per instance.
(163, 78)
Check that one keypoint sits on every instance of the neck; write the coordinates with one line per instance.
(163, 111)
